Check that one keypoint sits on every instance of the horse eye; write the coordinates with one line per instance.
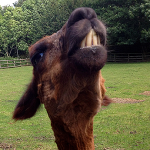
(36, 58)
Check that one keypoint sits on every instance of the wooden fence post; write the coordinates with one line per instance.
(128, 57)
(14, 63)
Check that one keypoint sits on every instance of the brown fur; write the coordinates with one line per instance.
(68, 81)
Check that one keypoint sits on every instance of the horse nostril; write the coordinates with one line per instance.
(80, 14)
(94, 51)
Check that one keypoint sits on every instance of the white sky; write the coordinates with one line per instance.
(7, 2)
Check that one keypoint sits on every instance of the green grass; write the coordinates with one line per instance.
(119, 126)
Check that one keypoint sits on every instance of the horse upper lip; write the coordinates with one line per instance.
(91, 39)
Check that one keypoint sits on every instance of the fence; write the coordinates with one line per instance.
(14, 63)
(112, 57)
(128, 57)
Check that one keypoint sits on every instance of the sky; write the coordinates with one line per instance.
(7, 2)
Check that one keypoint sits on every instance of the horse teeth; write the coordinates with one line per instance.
(94, 36)
(98, 40)
(91, 39)
(83, 43)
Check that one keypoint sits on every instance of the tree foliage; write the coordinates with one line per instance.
(128, 22)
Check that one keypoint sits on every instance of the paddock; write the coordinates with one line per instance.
(118, 126)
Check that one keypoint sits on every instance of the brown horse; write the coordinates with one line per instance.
(68, 81)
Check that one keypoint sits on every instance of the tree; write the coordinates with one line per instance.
(18, 3)
(125, 20)
(128, 22)
(13, 32)
(145, 33)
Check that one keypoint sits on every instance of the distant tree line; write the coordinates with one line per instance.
(128, 22)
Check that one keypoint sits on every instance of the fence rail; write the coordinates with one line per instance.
(112, 57)
(128, 57)
(14, 63)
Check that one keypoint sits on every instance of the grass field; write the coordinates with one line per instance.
(116, 127)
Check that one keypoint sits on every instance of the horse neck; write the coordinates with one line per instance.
(76, 136)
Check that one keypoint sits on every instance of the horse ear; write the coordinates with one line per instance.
(28, 104)
(106, 101)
